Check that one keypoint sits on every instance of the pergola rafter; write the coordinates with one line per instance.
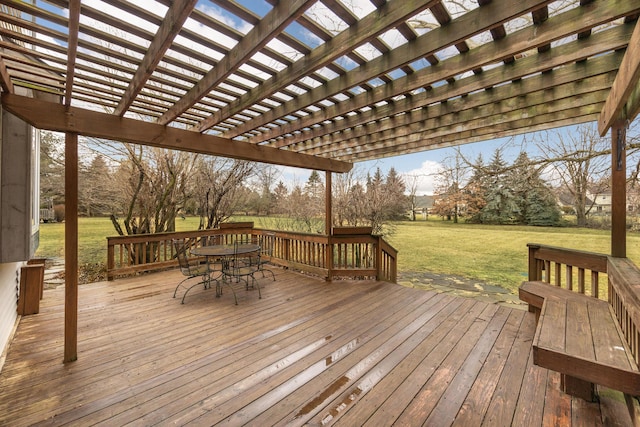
(350, 86)
(361, 32)
(518, 42)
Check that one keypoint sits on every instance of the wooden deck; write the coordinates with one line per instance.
(307, 353)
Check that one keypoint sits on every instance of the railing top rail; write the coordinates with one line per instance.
(591, 260)
(566, 250)
(136, 238)
(319, 238)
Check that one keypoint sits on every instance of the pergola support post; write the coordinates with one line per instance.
(71, 248)
(327, 225)
(618, 190)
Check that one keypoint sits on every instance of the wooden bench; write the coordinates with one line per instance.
(579, 337)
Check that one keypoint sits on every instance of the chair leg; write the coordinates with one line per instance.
(191, 287)
(230, 284)
(235, 297)
(254, 282)
(257, 286)
(175, 292)
(273, 276)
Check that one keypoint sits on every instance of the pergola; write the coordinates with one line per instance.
(317, 84)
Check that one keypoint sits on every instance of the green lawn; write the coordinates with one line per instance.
(494, 254)
(93, 238)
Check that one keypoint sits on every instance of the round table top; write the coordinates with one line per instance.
(225, 250)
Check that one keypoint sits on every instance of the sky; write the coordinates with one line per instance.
(424, 166)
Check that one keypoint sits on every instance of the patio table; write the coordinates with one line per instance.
(224, 251)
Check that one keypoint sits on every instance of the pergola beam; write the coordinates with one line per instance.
(72, 49)
(273, 23)
(168, 30)
(5, 78)
(489, 128)
(357, 34)
(468, 25)
(626, 84)
(412, 129)
(478, 135)
(55, 117)
(595, 74)
(525, 39)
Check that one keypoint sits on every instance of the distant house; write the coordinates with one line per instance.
(422, 206)
(602, 202)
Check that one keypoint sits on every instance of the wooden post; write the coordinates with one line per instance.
(327, 225)
(379, 270)
(71, 248)
(534, 272)
(618, 190)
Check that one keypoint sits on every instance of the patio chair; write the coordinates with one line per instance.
(266, 241)
(190, 267)
(215, 264)
(242, 267)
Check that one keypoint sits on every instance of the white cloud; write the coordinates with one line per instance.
(424, 177)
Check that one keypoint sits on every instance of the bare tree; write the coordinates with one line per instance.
(349, 198)
(98, 194)
(154, 182)
(51, 169)
(579, 160)
(266, 179)
(217, 183)
(450, 188)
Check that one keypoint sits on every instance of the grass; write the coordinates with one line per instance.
(92, 240)
(493, 254)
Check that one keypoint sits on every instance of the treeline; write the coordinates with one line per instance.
(144, 190)
(571, 170)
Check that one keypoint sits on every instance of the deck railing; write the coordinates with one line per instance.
(547, 263)
(568, 268)
(352, 256)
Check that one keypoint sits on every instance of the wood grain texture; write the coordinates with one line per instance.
(344, 353)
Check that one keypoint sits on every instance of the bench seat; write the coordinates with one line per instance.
(579, 337)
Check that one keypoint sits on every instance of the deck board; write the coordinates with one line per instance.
(308, 353)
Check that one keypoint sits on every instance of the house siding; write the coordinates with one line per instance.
(19, 214)
(9, 277)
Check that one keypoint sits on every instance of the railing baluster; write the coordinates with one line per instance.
(569, 277)
(547, 269)
(357, 255)
(558, 278)
(581, 280)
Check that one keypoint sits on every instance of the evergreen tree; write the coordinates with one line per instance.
(396, 202)
(356, 211)
(521, 179)
(375, 201)
(536, 203)
(314, 192)
(501, 207)
(280, 195)
(98, 193)
(542, 209)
